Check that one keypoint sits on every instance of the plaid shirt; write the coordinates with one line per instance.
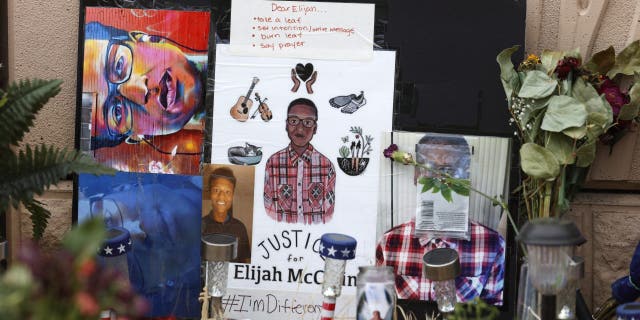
(481, 262)
(299, 188)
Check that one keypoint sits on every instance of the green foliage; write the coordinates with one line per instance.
(67, 283)
(476, 309)
(344, 152)
(560, 108)
(33, 170)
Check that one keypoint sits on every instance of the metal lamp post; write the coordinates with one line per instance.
(550, 244)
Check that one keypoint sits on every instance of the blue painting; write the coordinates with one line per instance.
(162, 214)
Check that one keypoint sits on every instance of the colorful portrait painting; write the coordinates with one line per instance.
(162, 215)
(143, 88)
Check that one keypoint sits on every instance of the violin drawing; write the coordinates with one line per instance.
(265, 112)
(240, 110)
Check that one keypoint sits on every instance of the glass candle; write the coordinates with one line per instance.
(376, 293)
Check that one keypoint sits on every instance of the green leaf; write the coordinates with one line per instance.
(602, 61)
(445, 191)
(628, 61)
(630, 110)
(575, 132)
(538, 162)
(536, 85)
(561, 147)
(24, 100)
(549, 59)
(459, 186)
(583, 91)
(597, 124)
(508, 75)
(586, 154)
(564, 112)
(32, 171)
(86, 238)
(427, 183)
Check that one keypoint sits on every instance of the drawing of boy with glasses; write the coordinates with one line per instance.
(299, 182)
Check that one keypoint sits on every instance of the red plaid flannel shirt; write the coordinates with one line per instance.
(481, 262)
(299, 188)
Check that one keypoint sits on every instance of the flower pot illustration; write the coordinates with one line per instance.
(353, 166)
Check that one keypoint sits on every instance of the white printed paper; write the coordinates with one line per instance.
(322, 30)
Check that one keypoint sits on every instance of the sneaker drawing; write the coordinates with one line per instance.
(341, 101)
(354, 104)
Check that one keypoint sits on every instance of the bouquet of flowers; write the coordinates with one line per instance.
(560, 108)
(67, 283)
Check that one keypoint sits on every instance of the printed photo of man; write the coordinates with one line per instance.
(482, 256)
(299, 182)
(223, 185)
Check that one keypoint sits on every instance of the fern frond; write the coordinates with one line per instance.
(39, 217)
(32, 171)
(23, 100)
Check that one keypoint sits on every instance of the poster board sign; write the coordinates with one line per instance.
(354, 104)
(143, 88)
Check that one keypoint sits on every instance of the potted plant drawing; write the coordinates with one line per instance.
(353, 158)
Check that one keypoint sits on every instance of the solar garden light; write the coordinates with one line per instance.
(336, 249)
(550, 244)
(113, 255)
(442, 266)
(217, 250)
(566, 308)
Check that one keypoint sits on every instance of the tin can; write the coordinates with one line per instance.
(376, 293)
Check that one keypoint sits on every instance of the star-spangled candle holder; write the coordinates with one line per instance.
(336, 249)
(113, 254)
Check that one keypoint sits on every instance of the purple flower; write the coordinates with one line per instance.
(388, 152)
(614, 96)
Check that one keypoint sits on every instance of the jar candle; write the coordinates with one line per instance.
(376, 293)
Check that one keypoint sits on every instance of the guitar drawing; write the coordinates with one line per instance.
(240, 110)
(265, 112)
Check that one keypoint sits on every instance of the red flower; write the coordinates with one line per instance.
(566, 65)
(614, 96)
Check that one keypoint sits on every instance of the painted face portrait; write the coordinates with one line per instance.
(221, 193)
(301, 125)
(144, 84)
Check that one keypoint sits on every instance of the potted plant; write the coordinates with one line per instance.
(28, 170)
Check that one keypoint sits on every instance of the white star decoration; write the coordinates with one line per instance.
(321, 247)
(332, 251)
(346, 252)
(121, 248)
(108, 250)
